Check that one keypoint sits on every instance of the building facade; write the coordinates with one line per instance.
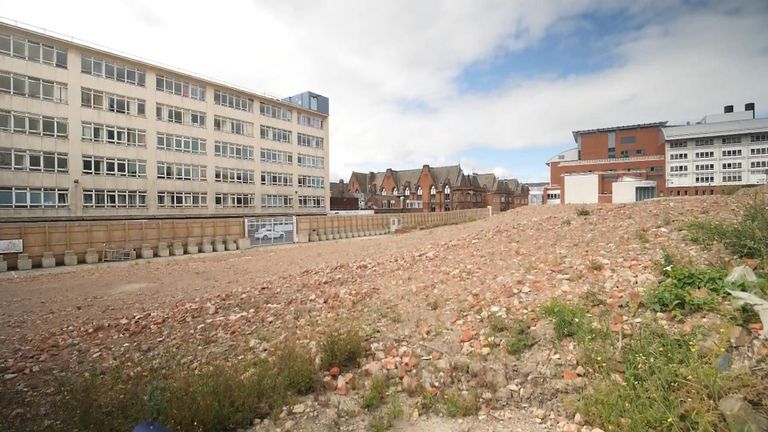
(604, 156)
(88, 134)
(720, 151)
(434, 189)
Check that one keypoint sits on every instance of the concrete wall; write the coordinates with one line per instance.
(624, 191)
(58, 237)
(582, 189)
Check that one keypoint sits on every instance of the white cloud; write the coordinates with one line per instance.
(372, 57)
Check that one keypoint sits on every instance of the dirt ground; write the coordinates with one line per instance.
(423, 290)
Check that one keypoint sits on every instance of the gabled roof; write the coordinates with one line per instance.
(488, 181)
(362, 180)
(339, 190)
(447, 174)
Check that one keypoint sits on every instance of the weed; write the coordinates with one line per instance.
(427, 401)
(581, 211)
(456, 404)
(595, 264)
(342, 349)
(519, 338)
(666, 263)
(397, 317)
(567, 222)
(642, 237)
(666, 219)
(378, 424)
(593, 298)
(394, 408)
(569, 320)
(497, 324)
(375, 393)
(688, 290)
(434, 304)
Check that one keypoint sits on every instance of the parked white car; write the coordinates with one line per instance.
(268, 233)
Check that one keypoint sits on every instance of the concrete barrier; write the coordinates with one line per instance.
(163, 250)
(207, 245)
(91, 256)
(218, 245)
(244, 243)
(192, 246)
(3, 264)
(48, 261)
(231, 244)
(146, 251)
(70, 258)
(23, 262)
(177, 249)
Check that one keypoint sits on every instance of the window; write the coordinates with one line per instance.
(309, 141)
(235, 200)
(313, 202)
(731, 140)
(678, 168)
(233, 126)
(628, 140)
(732, 178)
(758, 164)
(94, 132)
(36, 52)
(758, 138)
(310, 161)
(232, 101)
(234, 175)
(276, 156)
(759, 151)
(180, 87)
(414, 204)
(168, 199)
(100, 198)
(447, 193)
(24, 197)
(705, 167)
(611, 153)
(704, 178)
(732, 153)
(31, 87)
(314, 182)
(639, 152)
(275, 134)
(732, 166)
(705, 155)
(383, 192)
(33, 124)
(432, 191)
(108, 166)
(233, 151)
(419, 193)
(180, 171)
(310, 121)
(179, 115)
(100, 100)
(112, 70)
(276, 179)
(33, 160)
(179, 143)
(701, 142)
(678, 144)
(625, 153)
(275, 112)
(553, 196)
(273, 201)
(678, 156)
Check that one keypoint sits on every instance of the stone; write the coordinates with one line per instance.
(23, 262)
(741, 273)
(569, 375)
(740, 336)
(91, 256)
(70, 258)
(289, 425)
(329, 383)
(740, 415)
(298, 408)
(335, 372)
(48, 261)
(467, 335)
(578, 419)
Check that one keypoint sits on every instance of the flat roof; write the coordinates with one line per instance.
(618, 128)
(704, 130)
(90, 46)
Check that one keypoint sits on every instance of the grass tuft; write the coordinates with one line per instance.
(569, 320)
(342, 350)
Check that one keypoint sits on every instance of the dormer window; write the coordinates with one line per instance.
(394, 191)
(419, 192)
(383, 191)
(432, 190)
(407, 191)
(447, 192)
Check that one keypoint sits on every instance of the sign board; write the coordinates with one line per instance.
(11, 246)
(270, 230)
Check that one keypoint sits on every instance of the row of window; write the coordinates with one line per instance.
(24, 197)
(311, 181)
(112, 70)
(100, 133)
(275, 112)
(315, 202)
(182, 199)
(275, 134)
(233, 126)
(31, 87)
(35, 52)
(99, 198)
(179, 87)
(276, 156)
(119, 167)
(33, 124)
(181, 171)
(100, 100)
(310, 161)
(725, 166)
(309, 141)
(233, 151)
(32, 160)
(725, 178)
(180, 115)
(724, 140)
(310, 121)
(276, 179)
(232, 101)
(180, 143)
(756, 151)
(234, 175)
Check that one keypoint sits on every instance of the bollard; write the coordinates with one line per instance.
(91, 256)
(70, 258)
(191, 246)
(48, 260)
(146, 251)
(177, 249)
(207, 246)
(162, 249)
(23, 262)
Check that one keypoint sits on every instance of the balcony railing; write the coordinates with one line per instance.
(602, 161)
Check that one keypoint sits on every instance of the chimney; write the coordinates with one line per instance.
(750, 107)
(728, 109)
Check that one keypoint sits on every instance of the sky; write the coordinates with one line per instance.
(495, 85)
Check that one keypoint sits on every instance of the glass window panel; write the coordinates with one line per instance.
(33, 52)
(21, 197)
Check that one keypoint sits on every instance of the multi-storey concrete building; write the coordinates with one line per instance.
(629, 156)
(722, 150)
(88, 134)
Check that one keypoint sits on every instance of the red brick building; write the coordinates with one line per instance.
(435, 189)
(341, 198)
(607, 155)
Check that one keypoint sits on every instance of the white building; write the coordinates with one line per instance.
(729, 149)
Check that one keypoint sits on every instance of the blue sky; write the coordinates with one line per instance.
(497, 85)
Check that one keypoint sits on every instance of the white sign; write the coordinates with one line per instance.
(11, 246)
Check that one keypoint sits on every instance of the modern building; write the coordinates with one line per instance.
(721, 150)
(587, 173)
(434, 189)
(89, 134)
(536, 192)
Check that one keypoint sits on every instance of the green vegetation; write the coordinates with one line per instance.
(688, 290)
(595, 264)
(519, 338)
(581, 211)
(747, 238)
(457, 404)
(569, 320)
(642, 237)
(375, 394)
(220, 397)
(342, 349)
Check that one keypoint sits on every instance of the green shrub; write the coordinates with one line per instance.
(519, 338)
(456, 404)
(595, 264)
(581, 211)
(375, 393)
(688, 290)
(342, 350)
(569, 320)
(746, 238)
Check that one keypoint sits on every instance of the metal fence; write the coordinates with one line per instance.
(270, 230)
